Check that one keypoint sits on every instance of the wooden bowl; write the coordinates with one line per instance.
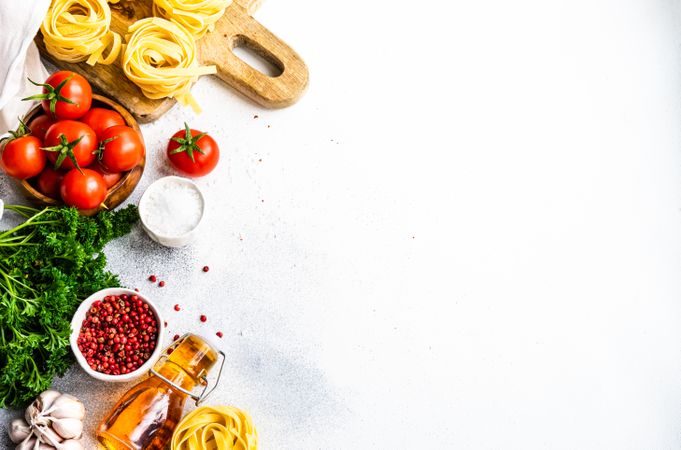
(119, 191)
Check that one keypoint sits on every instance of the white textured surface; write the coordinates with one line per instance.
(467, 235)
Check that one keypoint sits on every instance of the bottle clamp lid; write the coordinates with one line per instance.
(198, 399)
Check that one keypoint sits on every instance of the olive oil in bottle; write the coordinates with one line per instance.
(146, 416)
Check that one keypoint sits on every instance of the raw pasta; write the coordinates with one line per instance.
(215, 428)
(160, 58)
(195, 16)
(78, 30)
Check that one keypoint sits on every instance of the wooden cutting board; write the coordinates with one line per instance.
(236, 28)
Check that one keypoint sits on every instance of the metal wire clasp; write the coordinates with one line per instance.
(198, 399)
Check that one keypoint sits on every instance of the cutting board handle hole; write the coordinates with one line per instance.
(257, 56)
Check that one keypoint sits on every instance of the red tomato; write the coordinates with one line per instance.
(85, 190)
(64, 148)
(66, 95)
(120, 148)
(109, 178)
(22, 157)
(49, 182)
(192, 152)
(39, 126)
(99, 119)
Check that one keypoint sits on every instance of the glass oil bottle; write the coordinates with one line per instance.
(146, 416)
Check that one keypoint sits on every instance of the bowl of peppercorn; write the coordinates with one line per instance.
(117, 334)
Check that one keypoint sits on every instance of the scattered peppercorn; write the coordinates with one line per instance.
(203, 318)
(137, 289)
(219, 334)
(176, 337)
(206, 268)
(152, 278)
(161, 283)
(177, 307)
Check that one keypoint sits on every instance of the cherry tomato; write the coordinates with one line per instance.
(99, 119)
(49, 182)
(64, 148)
(22, 157)
(39, 126)
(192, 152)
(120, 148)
(86, 190)
(66, 95)
(109, 178)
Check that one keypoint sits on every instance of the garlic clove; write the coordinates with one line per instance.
(33, 416)
(46, 399)
(67, 407)
(47, 435)
(71, 444)
(68, 428)
(32, 413)
(27, 444)
(18, 430)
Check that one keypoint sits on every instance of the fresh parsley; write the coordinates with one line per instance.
(48, 265)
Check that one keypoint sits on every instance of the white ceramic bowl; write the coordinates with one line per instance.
(164, 239)
(76, 324)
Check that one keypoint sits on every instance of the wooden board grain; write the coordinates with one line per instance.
(236, 28)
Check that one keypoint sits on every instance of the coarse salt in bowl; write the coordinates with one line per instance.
(171, 210)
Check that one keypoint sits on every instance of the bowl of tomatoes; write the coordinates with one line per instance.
(75, 148)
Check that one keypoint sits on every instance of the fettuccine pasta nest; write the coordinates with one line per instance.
(160, 58)
(196, 16)
(215, 428)
(78, 30)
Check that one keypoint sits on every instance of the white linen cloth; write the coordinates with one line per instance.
(19, 57)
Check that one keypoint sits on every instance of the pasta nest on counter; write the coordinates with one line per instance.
(196, 16)
(160, 58)
(78, 30)
(215, 428)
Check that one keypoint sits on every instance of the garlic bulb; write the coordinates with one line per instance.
(54, 421)
(18, 430)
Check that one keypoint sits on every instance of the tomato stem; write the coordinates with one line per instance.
(53, 94)
(22, 130)
(99, 151)
(65, 149)
(188, 144)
